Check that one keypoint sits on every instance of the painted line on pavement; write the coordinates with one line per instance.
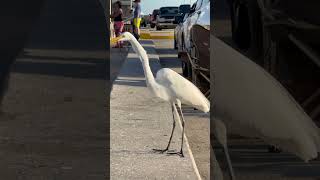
(156, 35)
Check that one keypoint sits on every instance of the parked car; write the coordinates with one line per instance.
(178, 31)
(153, 20)
(184, 9)
(179, 19)
(199, 15)
(166, 17)
(194, 45)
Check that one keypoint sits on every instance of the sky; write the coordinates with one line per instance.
(148, 6)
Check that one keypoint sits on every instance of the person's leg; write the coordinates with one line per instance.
(117, 32)
(136, 28)
(121, 31)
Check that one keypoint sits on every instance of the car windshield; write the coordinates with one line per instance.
(169, 10)
(184, 9)
(206, 1)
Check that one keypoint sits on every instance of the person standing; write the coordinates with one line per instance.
(137, 19)
(118, 20)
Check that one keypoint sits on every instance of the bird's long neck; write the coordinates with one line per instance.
(148, 73)
(145, 64)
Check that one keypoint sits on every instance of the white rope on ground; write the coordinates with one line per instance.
(195, 167)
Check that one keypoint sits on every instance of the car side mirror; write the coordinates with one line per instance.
(192, 10)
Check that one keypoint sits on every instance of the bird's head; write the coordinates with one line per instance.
(126, 36)
(136, 46)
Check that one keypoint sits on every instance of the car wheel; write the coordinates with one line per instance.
(152, 25)
(158, 28)
(185, 72)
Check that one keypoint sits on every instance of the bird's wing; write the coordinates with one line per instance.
(182, 89)
(251, 98)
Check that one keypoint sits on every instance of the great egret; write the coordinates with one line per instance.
(169, 86)
(172, 87)
(253, 104)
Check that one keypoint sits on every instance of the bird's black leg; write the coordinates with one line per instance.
(231, 173)
(173, 128)
(180, 153)
(182, 138)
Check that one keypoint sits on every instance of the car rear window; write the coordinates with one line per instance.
(169, 10)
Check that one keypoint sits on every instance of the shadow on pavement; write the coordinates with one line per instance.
(83, 71)
(247, 159)
(130, 82)
(60, 127)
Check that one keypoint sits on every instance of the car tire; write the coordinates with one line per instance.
(158, 28)
(185, 71)
(152, 25)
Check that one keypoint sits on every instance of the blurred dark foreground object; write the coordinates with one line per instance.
(16, 20)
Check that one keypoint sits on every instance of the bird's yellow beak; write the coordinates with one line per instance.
(116, 39)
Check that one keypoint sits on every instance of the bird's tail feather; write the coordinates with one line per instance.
(308, 143)
(314, 135)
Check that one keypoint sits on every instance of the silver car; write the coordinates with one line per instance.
(178, 32)
(194, 50)
(199, 15)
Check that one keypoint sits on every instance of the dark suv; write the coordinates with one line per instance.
(166, 18)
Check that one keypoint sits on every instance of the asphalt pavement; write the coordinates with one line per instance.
(55, 126)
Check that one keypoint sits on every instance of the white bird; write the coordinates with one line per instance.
(252, 103)
(169, 86)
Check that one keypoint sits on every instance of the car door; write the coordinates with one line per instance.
(191, 21)
(186, 23)
(180, 32)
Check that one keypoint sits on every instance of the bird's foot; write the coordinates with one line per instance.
(180, 153)
(160, 150)
(273, 149)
